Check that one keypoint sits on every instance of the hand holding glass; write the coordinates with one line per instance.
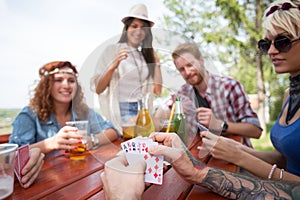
(80, 152)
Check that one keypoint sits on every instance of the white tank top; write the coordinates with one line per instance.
(133, 72)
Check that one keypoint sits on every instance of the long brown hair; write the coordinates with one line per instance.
(42, 101)
(147, 48)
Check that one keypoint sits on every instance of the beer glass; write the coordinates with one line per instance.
(80, 152)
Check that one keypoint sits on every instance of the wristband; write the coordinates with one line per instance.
(272, 171)
(281, 174)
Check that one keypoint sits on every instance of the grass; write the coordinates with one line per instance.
(264, 143)
(7, 116)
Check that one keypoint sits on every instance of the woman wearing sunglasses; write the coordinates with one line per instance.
(276, 174)
(282, 44)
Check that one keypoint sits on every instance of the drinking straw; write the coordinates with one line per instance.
(171, 117)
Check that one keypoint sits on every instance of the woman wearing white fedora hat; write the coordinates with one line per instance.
(129, 69)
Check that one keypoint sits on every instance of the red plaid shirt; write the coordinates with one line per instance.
(227, 99)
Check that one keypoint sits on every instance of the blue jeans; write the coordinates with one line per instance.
(128, 110)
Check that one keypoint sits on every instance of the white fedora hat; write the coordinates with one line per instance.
(138, 11)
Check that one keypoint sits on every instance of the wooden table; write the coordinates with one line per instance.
(62, 178)
(4, 138)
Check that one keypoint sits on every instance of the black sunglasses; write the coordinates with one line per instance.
(282, 44)
(284, 6)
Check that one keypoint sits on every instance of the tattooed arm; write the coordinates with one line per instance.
(234, 185)
(238, 154)
(239, 186)
(228, 184)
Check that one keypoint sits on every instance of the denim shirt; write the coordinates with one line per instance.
(29, 129)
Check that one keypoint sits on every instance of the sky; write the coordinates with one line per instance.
(35, 32)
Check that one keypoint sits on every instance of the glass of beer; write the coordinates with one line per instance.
(7, 165)
(164, 124)
(128, 130)
(80, 152)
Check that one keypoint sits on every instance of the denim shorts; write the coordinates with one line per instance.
(128, 110)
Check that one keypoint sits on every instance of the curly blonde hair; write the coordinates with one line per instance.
(42, 101)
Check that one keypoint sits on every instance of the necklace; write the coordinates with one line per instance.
(294, 102)
(62, 119)
(139, 69)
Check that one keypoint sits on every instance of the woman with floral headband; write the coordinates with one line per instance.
(58, 98)
(276, 174)
(128, 69)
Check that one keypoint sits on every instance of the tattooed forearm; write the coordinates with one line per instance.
(238, 186)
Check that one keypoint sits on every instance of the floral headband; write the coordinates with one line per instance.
(284, 6)
(57, 70)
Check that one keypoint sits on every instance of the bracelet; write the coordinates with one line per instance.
(272, 171)
(281, 174)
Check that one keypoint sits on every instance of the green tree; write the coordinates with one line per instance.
(228, 31)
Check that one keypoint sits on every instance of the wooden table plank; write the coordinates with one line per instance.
(55, 177)
(107, 152)
(195, 152)
(62, 178)
(98, 196)
(88, 187)
(202, 192)
(4, 138)
(59, 172)
(91, 184)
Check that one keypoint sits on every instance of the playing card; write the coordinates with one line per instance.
(22, 158)
(124, 147)
(133, 146)
(129, 146)
(154, 169)
(144, 143)
(202, 127)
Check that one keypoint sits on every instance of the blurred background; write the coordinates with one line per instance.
(35, 32)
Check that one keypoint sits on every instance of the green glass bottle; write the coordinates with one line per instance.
(180, 121)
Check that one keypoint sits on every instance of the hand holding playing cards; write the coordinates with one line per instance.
(174, 152)
(123, 181)
(32, 168)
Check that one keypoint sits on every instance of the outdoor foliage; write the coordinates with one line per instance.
(7, 116)
(227, 31)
